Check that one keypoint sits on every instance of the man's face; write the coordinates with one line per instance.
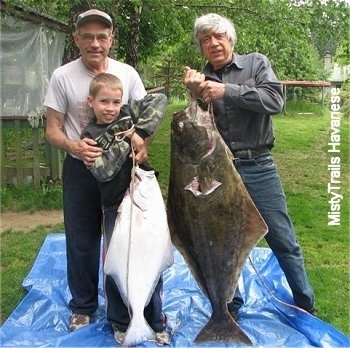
(94, 41)
(216, 48)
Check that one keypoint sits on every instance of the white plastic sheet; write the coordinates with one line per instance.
(29, 54)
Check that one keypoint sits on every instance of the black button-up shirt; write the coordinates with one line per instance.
(253, 93)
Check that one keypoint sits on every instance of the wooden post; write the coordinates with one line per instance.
(36, 158)
(19, 168)
(285, 99)
(2, 155)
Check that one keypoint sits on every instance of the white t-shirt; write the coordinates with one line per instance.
(69, 88)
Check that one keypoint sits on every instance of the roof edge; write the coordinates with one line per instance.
(30, 14)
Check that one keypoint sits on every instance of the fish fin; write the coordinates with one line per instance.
(255, 227)
(172, 227)
(138, 333)
(223, 329)
(179, 245)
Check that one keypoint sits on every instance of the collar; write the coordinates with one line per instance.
(236, 63)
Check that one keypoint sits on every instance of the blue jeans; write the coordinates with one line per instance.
(263, 183)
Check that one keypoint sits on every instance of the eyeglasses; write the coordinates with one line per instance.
(88, 38)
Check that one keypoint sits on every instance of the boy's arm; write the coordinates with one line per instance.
(107, 166)
(149, 112)
(116, 150)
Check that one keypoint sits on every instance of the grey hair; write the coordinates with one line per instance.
(214, 23)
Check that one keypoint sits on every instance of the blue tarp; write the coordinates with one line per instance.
(41, 319)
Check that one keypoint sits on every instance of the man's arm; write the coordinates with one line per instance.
(261, 93)
(150, 112)
(84, 149)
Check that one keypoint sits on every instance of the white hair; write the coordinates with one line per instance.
(216, 24)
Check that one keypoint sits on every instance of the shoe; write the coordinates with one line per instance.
(234, 315)
(162, 338)
(233, 308)
(118, 335)
(77, 321)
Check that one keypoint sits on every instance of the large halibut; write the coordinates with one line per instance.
(140, 251)
(213, 221)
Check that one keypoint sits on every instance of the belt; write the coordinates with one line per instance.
(250, 153)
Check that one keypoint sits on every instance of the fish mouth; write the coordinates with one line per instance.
(194, 132)
(194, 142)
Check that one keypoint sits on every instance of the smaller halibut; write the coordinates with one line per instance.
(140, 251)
(213, 221)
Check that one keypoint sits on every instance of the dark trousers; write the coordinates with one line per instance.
(82, 219)
(117, 312)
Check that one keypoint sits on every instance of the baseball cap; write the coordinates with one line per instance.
(92, 16)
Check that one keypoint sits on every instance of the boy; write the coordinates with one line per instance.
(117, 130)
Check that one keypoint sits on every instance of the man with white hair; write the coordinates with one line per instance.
(245, 92)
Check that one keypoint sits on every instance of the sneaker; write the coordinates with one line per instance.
(233, 307)
(162, 338)
(78, 321)
(118, 335)
(234, 316)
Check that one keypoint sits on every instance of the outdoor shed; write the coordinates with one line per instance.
(32, 46)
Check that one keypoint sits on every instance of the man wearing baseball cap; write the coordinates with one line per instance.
(67, 115)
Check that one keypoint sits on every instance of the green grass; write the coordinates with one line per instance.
(29, 198)
(302, 158)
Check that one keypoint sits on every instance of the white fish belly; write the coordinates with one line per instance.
(140, 248)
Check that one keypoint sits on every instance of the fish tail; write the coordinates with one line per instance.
(222, 329)
(138, 333)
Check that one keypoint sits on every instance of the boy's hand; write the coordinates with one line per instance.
(129, 133)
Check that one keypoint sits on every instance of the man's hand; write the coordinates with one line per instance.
(211, 90)
(192, 81)
(200, 88)
(86, 150)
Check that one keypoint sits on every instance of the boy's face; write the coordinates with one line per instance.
(106, 105)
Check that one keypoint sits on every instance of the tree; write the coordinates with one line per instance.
(294, 34)
(328, 23)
